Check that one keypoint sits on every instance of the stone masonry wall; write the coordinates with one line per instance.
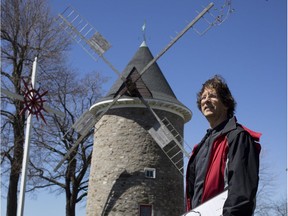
(122, 149)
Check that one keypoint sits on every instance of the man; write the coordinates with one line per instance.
(226, 158)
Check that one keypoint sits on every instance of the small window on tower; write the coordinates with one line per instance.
(150, 172)
(145, 210)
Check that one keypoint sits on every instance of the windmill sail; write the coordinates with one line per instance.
(171, 142)
(99, 43)
(83, 32)
(95, 45)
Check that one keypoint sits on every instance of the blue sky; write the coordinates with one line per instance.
(249, 50)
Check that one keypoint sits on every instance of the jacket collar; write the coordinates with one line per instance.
(231, 125)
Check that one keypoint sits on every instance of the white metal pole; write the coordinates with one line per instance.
(21, 201)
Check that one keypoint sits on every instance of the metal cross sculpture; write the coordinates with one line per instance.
(34, 105)
(33, 101)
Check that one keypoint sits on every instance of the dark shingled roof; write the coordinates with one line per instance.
(153, 83)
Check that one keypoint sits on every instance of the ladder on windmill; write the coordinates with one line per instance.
(171, 143)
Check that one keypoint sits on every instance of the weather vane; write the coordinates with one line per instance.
(144, 31)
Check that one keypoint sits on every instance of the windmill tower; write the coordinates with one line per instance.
(137, 166)
(130, 173)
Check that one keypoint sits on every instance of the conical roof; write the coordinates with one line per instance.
(152, 85)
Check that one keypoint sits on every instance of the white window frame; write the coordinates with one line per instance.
(150, 170)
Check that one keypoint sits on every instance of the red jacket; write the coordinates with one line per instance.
(233, 151)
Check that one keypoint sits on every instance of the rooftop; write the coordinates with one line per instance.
(152, 85)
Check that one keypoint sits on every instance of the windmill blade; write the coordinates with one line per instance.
(162, 135)
(219, 15)
(92, 42)
(83, 33)
(170, 145)
(163, 132)
(85, 122)
(173, 41)
(129, 84)
(80, 125)
(189, 26)
(80, 33)
(54, 111)
(12, 95)
(86, 36)
(86, 131)
(72, 149)
(168, 139)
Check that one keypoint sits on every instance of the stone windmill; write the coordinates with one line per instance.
(137, 166)
(130, 173)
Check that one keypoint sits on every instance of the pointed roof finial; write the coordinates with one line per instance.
(144, 31)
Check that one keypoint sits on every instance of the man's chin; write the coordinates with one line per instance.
(208, 113)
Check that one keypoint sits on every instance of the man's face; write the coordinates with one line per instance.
(212, 107)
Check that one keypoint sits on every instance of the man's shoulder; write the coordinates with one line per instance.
(240, 132)
(236, 128)
(232, 134)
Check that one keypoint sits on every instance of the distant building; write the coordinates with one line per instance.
(130, 174)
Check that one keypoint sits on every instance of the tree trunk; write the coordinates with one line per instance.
(71, 187)
(16, 165)
(12, 195)
(70, 207)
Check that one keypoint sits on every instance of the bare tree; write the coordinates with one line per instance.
(27, 30)
(280, 207)
(273, 208)
(74, 96)
(266, 203)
